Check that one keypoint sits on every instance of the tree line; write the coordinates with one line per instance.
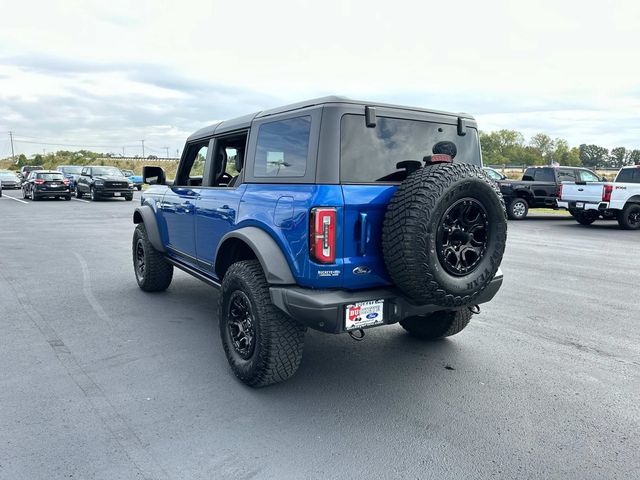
(510, 147)
(500, 147)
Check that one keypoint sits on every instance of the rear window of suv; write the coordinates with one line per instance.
(372, 154)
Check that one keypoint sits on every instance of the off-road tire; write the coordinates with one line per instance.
(585, 218)
(278, 339)
(625, 217)
(158, 272)
(78, 193)
(517, 209)
(438, 324)
(411, 225)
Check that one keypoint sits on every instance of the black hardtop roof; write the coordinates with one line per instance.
(245, 120)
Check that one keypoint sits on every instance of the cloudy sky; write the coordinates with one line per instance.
(105, 75)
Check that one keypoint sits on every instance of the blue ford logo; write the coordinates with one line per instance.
(361, 270)
(371, 316)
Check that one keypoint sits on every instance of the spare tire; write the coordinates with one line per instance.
(444, 234)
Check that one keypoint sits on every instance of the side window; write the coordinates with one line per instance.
(192, 170)
(629, 175)
(545, 175)
(283, 148)
(587, 176)
(566, 175)
(528, 175)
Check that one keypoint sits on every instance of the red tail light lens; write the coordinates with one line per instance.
(38, 181)
(606, 193)
(65, 181)
(559, 192)
(322, 234)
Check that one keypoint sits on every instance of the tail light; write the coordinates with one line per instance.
(606, 193)
(322, 234)
(65, 181)
(559, 192)
(38, 181)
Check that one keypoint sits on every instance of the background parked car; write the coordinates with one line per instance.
(135, 179)
(539, 188)
(72, 172)
(9, 180)
(103, 182)
(24, 171)
(46, 183)
(494, 174)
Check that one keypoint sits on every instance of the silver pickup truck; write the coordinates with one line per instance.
(620, 200)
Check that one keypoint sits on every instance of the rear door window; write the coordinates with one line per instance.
(587, 176)
(283, 148)
(395, 145)
(545, 175)
(567, 176)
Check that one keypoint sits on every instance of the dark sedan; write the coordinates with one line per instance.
(46, 183)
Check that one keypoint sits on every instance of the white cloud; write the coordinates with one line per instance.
(567, 68)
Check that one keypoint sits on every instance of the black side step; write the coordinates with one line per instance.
(193, 272)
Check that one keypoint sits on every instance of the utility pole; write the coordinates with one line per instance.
(142, 148)
(13, 155)
(123, 151)
(167, 150)
(177, 153)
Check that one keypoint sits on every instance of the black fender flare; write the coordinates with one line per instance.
(145, 214)
(273, 262)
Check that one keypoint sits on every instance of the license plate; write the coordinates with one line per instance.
(579, 204)
(364, 314)
(116, 194)
(54, 184)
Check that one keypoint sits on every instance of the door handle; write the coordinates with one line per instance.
(223, 209)
(364, 233)
(581, 189)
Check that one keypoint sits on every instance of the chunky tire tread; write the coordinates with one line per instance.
(437, 325)
(158, 271)
(623, 217)
(410, 226)
(280, 340)
(584, 218)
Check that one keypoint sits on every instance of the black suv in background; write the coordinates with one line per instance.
(539, 188)
(46, 183)
(103, 182)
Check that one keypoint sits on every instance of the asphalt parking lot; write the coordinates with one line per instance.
(100, 380)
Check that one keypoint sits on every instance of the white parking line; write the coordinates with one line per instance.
(13, 198)
(80, 200)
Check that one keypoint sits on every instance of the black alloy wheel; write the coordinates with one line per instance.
(241, 324)
(140, 259)
(462, 236)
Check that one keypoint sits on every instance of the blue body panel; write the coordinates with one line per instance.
(193, 220)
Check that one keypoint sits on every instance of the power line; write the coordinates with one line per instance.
(71, 144)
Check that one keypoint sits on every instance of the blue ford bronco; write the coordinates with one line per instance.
(331, 214)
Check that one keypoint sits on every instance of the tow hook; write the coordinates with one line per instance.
(357, 338)
(475, 309)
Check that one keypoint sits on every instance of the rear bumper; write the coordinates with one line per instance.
(52, 193)
(599, 206)
(324, 310)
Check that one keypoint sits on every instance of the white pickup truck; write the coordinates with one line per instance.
(620, 200)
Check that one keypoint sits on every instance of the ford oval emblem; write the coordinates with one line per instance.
(361, 270)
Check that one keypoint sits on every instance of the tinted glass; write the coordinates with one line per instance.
(373, 154)
(545, 175)
(71, 170)
(586, 176)
(492, 174)
(49, 177)
(108, 171)
(567, 175)
(629, 175)
(283, 148)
